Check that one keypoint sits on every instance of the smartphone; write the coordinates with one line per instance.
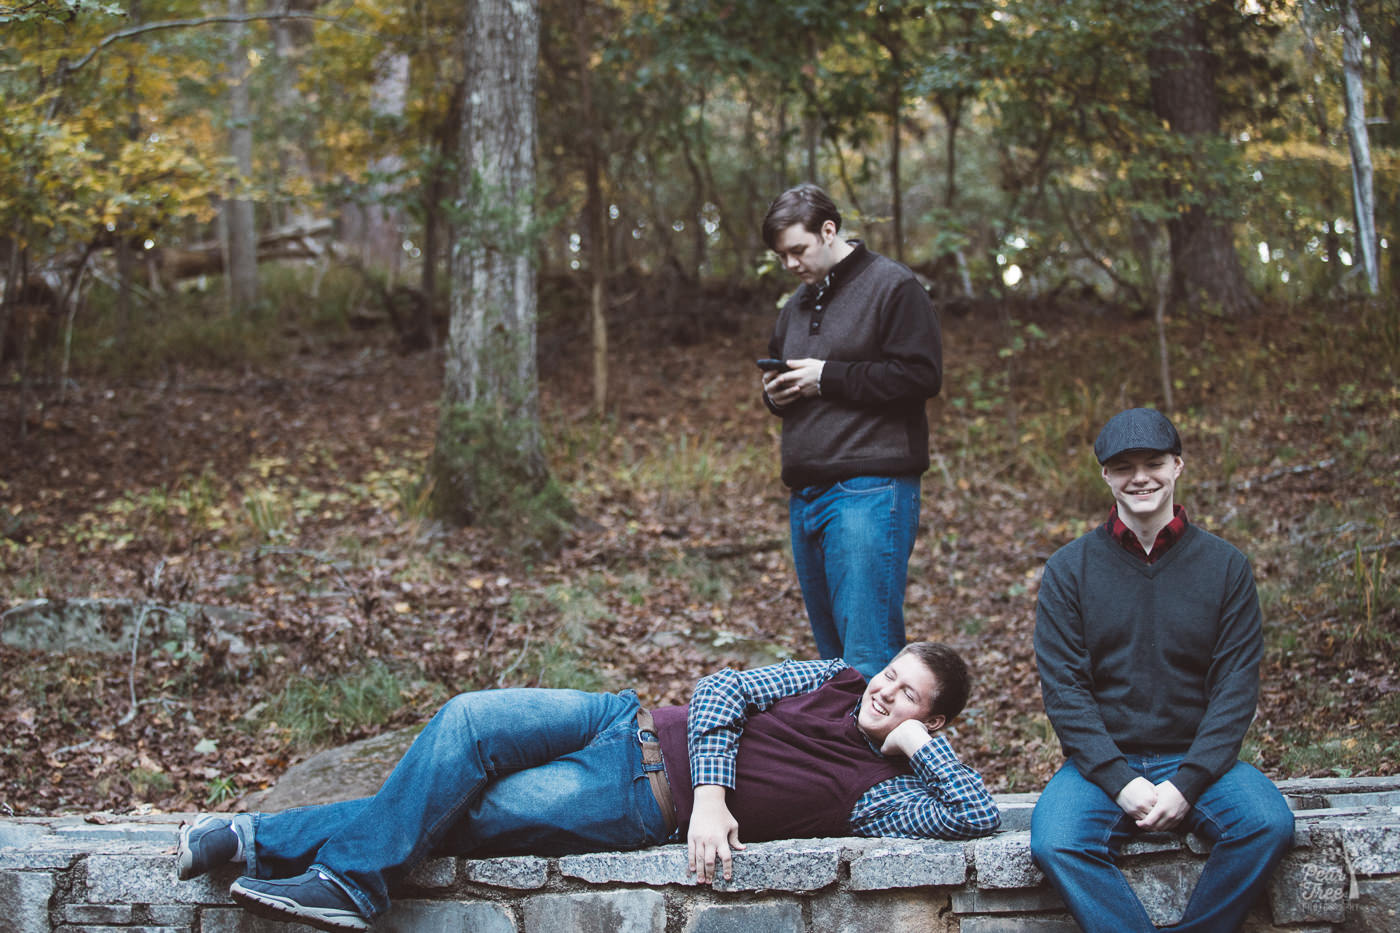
(772, 365)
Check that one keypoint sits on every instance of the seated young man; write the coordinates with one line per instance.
(553, 772)
(1148, 639)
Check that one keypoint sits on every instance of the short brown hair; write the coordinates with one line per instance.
(805, 204)
(954, 679)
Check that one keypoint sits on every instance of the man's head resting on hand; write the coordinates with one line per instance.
(926, 681)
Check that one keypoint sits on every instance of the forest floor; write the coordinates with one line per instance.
(287, 488)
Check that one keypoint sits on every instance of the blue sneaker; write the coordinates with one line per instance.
(311, 897)
(205, 844)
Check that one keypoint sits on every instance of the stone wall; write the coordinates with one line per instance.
(116, 875)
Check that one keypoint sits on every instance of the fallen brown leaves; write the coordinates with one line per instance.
(289, 494)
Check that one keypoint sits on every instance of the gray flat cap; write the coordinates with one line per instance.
(1136, 429)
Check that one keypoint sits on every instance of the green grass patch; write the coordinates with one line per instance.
(316, 712)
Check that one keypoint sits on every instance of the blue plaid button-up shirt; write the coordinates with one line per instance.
(942, 799)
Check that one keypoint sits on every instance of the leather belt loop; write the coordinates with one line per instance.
(655, 767)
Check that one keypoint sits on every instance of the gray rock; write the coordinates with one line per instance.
(526, 872)
(656, 866)
(110, 914)
(894, 911)
(108, 625)
(24, 899)
(631, 911)
(1309, 885)
(445, 917)
(770, 917)
(912, 864)
(1045, 923)
(1011, 901)
(345, 773)
(1004, 861)
(150, 879)
(1164, 887)
(1373, 846)
(1377, 908)
(434, 874)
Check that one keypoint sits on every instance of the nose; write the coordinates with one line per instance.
(791, 263)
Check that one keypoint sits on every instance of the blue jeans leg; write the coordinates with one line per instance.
(1076, 833)
(471, 750)
(1242, 813)
(851, 543)
(1251, 828)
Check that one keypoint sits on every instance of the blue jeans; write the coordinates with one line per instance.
(546, 772)
(851, 543)
(1077, 831)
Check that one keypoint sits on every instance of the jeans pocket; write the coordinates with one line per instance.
(866, 484)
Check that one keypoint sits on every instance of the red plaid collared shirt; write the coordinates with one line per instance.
(1168, 536)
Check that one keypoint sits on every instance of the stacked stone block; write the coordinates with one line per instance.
(70, 875)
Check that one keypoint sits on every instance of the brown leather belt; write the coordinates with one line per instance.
(655, 767)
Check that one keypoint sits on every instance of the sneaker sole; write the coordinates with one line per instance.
(281, 908)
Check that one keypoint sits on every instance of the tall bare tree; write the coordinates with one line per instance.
(1362, 173)
(242, 237)
(595, 213)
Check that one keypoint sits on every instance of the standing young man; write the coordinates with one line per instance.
(1148, 639)
(863, 352)
(552, 772)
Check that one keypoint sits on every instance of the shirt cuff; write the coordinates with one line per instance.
(936, 757)
(712, 770)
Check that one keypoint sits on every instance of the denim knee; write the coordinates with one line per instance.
(1276, 825)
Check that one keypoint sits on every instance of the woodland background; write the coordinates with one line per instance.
(286, 287)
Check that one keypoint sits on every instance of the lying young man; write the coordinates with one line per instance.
(1148, 637)
(554, 772)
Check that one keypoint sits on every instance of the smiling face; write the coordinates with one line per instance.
(807, 255)
(904, 690)
(1143, 484)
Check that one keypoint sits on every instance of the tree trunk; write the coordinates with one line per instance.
(126, 262)
(382, 245)
(294, 144)
(1206, 270)
(1363, 190)
(242, 235)
(896, 191)
(488, 463)
(595, 217)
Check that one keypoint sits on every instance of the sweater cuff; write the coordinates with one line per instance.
(1113, 776)
(1191, 781)
(833, 381)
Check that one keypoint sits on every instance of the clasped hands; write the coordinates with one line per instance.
(1155, 807)
(802, 378)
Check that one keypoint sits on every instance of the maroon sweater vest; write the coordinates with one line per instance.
(801, 767)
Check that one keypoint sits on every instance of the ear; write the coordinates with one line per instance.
(828, 230)
(934, 723)
(1180, 465)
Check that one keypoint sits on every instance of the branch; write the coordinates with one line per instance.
(1269, 477)
(190, 24)
(361, 600)
(135, 646)
(1087, 248)
(1391, 545)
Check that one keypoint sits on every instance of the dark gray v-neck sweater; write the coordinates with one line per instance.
(1145, 658)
